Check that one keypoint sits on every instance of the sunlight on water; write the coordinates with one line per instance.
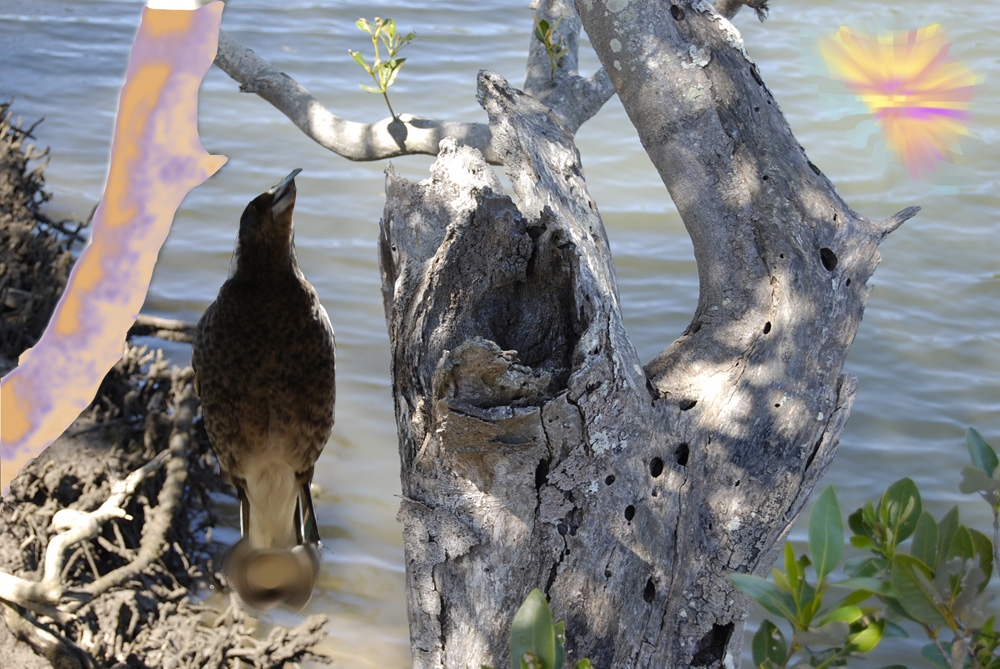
(925, 355)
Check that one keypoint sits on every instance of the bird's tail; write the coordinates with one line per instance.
(265, 578)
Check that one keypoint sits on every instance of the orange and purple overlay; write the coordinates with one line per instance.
(907, 79)
(156, 159)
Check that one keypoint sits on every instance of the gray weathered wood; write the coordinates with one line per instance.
(536, 450)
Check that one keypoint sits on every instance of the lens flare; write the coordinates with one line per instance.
(907, 80)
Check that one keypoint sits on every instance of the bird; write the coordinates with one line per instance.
(264, 357)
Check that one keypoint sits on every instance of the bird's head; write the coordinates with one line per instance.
(266, 234)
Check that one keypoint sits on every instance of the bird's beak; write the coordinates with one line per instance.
(283, 193)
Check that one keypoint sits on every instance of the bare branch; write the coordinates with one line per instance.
(168, 329)
(573, 97)
(387, 138)
(74, 526)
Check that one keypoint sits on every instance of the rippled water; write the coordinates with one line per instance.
(925, 355)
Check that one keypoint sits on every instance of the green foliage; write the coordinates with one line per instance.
(937, 585)
(536, 642)
(384, 72)
(546, 34)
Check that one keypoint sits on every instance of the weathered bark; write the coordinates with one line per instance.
(536, 451)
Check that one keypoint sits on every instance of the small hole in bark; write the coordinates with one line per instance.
(562, 529)
(654, 493)
(767, 327)
(764, 177)
(781, 255)
(737, 484)
(542, 473)
(677, 13)
(834, 218)
(711, 648)
(656, 467)
(649, 592)
(687, 404)
(777, 405)
(607, 573)
(847, 283)
(757, 109)
(829, 259)
(768, 102)
(681, 453)
(610, 479)
(629, 512)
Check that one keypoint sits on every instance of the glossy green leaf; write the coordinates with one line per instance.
(866, 640)
(583, 664)
(768, 644)
(982, 454)
(780, 581)
(931, 653)
(984, 552)
(868, 584)
(911, 580)
(901, 509)
(895, 631)
(826, 532)
(864, 565)
(946, 532)
(533, 631)
(360, 60)
(925, 540)
(961, 544)
(843, 614)
(857, 524)
(766, 594)
(364, 25)
(791, 567)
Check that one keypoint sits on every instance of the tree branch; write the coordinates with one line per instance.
(168, 329)
(573, 97)
(387, 138)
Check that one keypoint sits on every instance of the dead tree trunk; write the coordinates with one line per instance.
(536, 449)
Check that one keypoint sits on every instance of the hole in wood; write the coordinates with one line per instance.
(711, 648)
(764, 177)
(607, 573)
(777, 405)
(847, 283)
(629, 512)
(541, 473)
(677, 13)
(829, 259)
(737, 484)
(767, 327)
(610, 479)
(649, 592)
(687, 404)
(656, 467)
(681, 453)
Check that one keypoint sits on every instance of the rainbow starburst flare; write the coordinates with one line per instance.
(907, 80)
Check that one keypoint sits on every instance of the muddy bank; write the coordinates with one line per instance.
(105, 539)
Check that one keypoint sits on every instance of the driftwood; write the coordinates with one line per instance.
(537, 450)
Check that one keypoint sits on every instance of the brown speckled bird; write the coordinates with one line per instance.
(264, 360)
